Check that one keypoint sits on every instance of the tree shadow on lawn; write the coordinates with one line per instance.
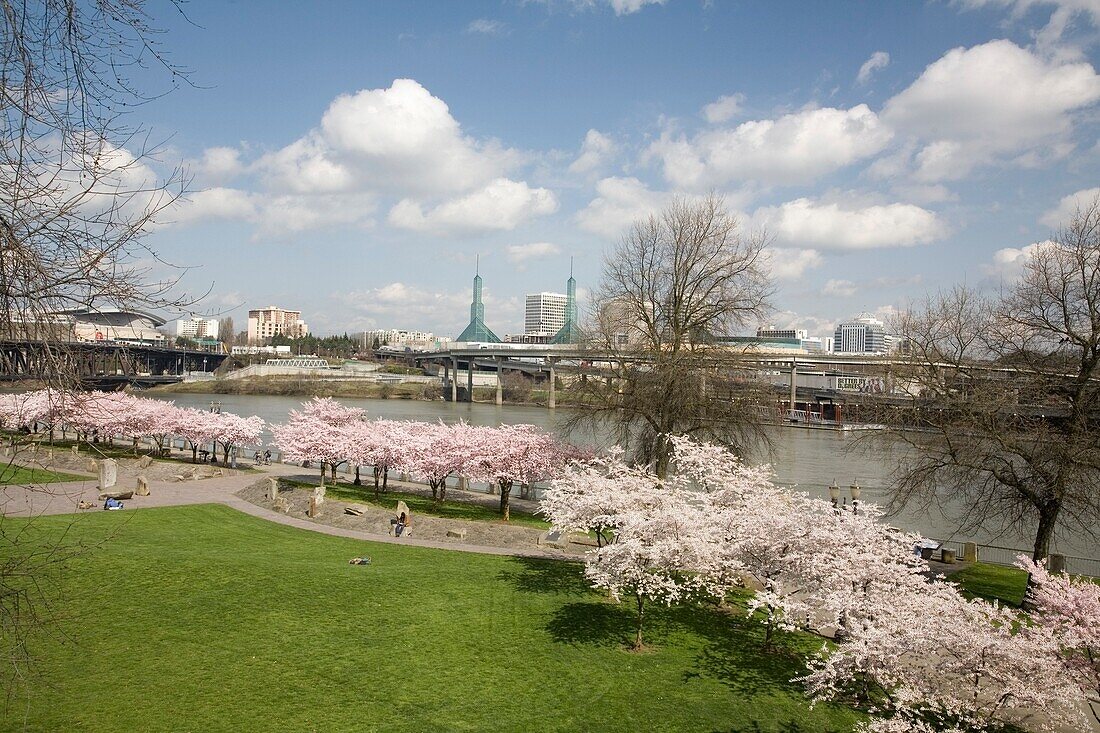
(534, 575)
(734, 652)
(592, 623)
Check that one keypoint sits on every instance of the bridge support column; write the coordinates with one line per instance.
(551, 401)
(500, 386)
(469, 380)
(794, 385)
(454, 380)
(446, 374)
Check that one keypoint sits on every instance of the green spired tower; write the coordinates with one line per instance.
(477, 330)
(569, 333)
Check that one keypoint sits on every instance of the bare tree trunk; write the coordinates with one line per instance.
(505, 494)
(641, 617)
(1048, 518)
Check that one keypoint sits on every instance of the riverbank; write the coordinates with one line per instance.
(309, 387)
(304, 387)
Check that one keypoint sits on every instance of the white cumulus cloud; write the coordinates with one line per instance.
(596, 150)
(487, 26)
(993, 101)
(520, 253)
(723, 109)
(792, 264)
(795, 148)
(1008, 264)
(829, 226)
(840, 288)
(500, 205)
(618, 204)
(1067, 208)
(878, 60)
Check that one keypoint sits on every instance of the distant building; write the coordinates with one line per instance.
(196, 327)
(771, 332)
(544, 315)
(477, 331)
(400, 338)
(274, 321)
(131, 327)
(570, 332)
(863, 335)
(254, 350)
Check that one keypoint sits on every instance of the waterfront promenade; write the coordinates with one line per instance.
(65, 498)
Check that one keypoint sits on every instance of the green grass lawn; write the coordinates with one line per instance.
(204, 619)
(993, 582)
(418, 504)
(11, 474)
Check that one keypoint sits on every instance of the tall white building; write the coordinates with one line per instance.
(863, 335)
(545, 314)
(274, 321)
(197, 327)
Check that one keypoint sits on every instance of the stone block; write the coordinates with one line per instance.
(353, 511)
(282, 504)
(93, 465)
(457, 533)
(319, 495)
(142, 486)
(272, 488)
(108, 473)
(970, 551)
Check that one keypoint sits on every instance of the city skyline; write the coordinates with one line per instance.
(354, 159)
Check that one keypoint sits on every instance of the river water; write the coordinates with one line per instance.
(808, 459)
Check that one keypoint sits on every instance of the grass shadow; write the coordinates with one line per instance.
(591, 623)
(534, 575)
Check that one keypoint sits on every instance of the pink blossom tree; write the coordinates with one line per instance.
(508, 454)
(234, 431)
(383, 447)
(1069, 609)
(594, 495)
(434, 451)
(196, 427)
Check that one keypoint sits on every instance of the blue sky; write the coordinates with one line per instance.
(350, 159)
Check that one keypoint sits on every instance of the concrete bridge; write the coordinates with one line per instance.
(547, 361)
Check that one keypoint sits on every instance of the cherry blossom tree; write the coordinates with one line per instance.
(1068, 608)
(656, 549)
(508, 454)
(382, 447)
(434, 451)
(235, 431)
(594, 495)
(196, 427)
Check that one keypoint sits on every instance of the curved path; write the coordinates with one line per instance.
(64, 498)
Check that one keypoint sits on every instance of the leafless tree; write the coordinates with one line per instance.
(79, 190)
(672, 289)
(1006, 417)
(226, 333)
(79, 187)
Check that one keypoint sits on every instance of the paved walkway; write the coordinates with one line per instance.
(64, 498)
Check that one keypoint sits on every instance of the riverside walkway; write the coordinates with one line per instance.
(65, 498)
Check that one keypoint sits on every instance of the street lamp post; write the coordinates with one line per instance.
(834, 497)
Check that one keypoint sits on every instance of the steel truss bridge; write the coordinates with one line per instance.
(102, 364)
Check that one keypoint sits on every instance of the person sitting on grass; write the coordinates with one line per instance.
(402, 522)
